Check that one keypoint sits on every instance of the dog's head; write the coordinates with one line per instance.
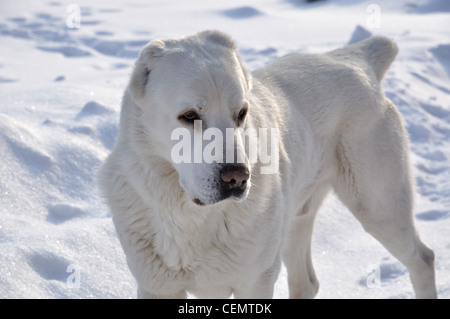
(192, 96)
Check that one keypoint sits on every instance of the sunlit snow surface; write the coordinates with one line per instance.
(60, 94)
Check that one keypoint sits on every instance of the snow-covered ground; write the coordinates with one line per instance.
(60, 93)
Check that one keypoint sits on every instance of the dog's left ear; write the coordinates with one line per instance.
(226, 41)
(142, 69)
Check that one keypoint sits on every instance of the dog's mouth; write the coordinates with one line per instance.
(235, 195)
(198, 202)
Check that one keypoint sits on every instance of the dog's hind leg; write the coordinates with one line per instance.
(374, 182)
(296, 251)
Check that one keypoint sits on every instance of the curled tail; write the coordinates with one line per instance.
(376, 52)
(379, 52)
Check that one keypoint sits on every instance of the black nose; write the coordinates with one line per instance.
(234, 176)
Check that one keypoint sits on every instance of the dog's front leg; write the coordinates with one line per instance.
(262, 287)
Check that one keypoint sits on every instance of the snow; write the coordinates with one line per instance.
(60, 93)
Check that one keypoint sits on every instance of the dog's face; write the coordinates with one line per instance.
(192, 93)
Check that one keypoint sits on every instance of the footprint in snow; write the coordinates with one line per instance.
(49, 266)
(387, 271)
(7, 80)
(93, 108)
(104, 33)
(392, 270)
(242, 13)
(84, 129)
(23, 145)
(437, 111)
(66, 50)
(442, 54)
(35, 160)
(430, 82)
(47, 17)
(359, 34)
(434, 214)
(59, 78)
(96, 128)
(431, 169)
(123, 49)
(418, 133)
(436, 156)
(60, 213)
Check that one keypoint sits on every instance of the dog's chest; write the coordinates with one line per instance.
(207, 251)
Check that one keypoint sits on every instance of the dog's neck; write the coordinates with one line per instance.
(171, 220)
(184, 232)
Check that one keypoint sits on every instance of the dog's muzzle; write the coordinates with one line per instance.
(233, 180)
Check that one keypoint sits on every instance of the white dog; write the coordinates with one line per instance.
(195, 212)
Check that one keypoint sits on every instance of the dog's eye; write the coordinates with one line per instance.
(189, 117)
(242, 114)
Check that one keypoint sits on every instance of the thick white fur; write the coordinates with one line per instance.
(338, 132)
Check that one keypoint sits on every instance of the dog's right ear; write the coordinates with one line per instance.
(142, 70)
